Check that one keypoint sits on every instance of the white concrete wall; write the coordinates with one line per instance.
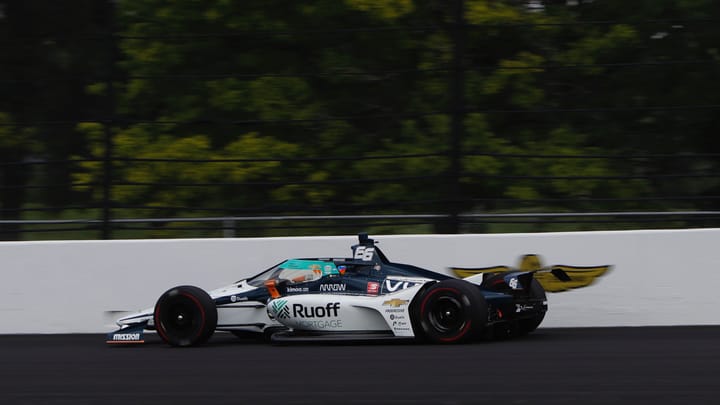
(659, 277)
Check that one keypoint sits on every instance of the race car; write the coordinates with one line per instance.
(362, 297)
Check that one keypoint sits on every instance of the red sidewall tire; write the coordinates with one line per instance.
(451, 311)
(185, 316)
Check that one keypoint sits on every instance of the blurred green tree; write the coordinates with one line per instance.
(361, 78)
(51, 50)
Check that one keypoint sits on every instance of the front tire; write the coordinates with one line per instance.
(185, 316)
(451, 311)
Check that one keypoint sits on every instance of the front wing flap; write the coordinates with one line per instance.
(128, 334)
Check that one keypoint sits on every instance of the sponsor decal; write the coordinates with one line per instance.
(395, 302)
(333, 287)
(373, 288)
(234, 298)
(298, 289)
(320, 324)
(364, 253)
(124, 337)
(342, 270)
(392, 286)
(328, 311)
(129, 334)
(307, 316)
(553, 278)
(281, 309)
(523, 308)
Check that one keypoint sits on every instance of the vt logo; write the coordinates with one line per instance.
(580, 276)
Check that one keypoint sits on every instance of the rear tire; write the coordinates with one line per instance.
(185, 316)
(451, 311)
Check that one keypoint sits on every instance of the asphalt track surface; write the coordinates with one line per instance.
(653, 365)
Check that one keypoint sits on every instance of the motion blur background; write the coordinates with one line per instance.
(165, 119)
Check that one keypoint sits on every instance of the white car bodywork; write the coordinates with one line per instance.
(322, 312)
(239, 314)
(349, 313)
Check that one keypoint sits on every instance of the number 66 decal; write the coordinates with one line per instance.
(364, 253)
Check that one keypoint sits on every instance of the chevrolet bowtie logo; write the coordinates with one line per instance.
(395, 302)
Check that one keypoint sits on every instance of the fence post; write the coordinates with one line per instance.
(110, 120)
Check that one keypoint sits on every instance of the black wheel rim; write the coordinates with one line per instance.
(447, 315)
(180, 317)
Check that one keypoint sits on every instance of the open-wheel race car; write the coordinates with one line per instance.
(362, 297)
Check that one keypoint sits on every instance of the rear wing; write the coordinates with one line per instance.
(525, 278)
(555, 278)
(517, 280)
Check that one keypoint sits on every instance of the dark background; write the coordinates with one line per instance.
(143, 118)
